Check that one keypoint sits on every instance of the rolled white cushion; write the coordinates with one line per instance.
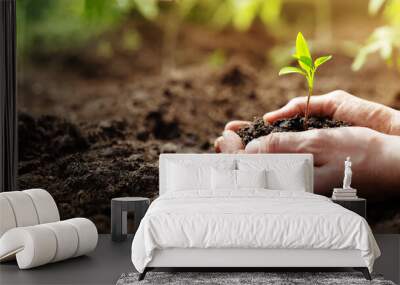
(87, 235)
(7, 218)
(23, 208)
(45, 205)
(33, 246)
(66, 238)
(37, 245)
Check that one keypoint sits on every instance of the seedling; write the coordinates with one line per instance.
(306, 67)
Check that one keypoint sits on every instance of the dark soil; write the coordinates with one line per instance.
(259, 128)
(84, 166)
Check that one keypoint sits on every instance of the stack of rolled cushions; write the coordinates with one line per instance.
(31, 231)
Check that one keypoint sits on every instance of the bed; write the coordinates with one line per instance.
(245, 211)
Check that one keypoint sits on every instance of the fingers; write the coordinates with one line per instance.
(323, 105)
(217, 144)
(292, 108)
(236, 125)
(230, 142)
(276, 143)
(313, 141)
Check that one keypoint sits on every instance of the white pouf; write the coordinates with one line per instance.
(23, 208)
(33, 246)
(87, 233)
(45, 205)
(7, 220)
(31, 233)
(67, 240)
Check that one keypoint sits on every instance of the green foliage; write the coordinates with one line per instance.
(307, 67)
(291, 69)
(54, 24)
(242, 13)
(384, 40)
(305, 61)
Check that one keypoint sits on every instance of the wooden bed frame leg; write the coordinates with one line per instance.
(143, 274)
(364, 271)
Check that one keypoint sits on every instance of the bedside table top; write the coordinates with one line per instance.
(349, 200)
(130, 199)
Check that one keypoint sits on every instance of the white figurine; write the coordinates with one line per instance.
(347, 174)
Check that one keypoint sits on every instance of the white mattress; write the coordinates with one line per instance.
(251, 219)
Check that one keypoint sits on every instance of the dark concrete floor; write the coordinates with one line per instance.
(110, 260)
(103, 266)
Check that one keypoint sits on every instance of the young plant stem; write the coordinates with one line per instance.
(310, 90)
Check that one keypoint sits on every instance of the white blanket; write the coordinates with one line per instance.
(250, 219)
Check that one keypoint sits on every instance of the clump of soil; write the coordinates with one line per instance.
(295, 124)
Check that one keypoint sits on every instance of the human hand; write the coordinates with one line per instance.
(343, 106)
(368, 148)
(373, 163)
(338, 105)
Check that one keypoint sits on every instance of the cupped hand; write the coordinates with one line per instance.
(338, 105)
(343, 106)
(375, 156)
(330, 148)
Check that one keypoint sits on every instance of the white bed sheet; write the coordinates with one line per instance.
(250, 219)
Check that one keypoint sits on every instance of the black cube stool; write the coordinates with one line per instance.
(119, 215)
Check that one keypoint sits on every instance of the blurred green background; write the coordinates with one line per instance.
(54, 25)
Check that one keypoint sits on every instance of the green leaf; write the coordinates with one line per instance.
(306, 61)
(302, 50)
(302, 47)
(321, 60)
(291, 69)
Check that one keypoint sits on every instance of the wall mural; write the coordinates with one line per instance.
(105, 86)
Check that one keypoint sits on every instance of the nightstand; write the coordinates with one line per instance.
(119, 215)
(358, 206)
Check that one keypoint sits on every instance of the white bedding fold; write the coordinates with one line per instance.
(250, 219)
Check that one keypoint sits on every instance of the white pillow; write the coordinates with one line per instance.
(184, 178)
(281, 174)
(231, 180)
(223, 179)
(293, 179)
(184, 174)
(251, 178)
